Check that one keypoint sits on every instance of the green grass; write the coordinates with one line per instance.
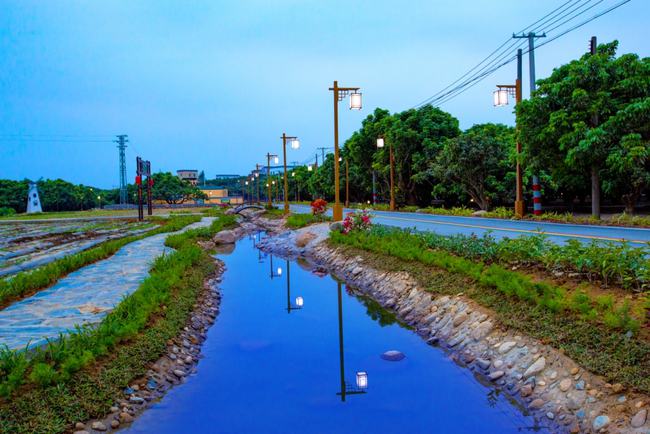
(273, 213)
(410, 246)
(296, 221)
(81, 375)
(596, 346)
(27, 282)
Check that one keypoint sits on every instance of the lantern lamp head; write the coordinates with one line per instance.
(500, 97)
(276, 160)
(355, 100)
(309, 168)
(299, 301)
(380, 142)
(362, 380)
(295, 144)
(279, 271)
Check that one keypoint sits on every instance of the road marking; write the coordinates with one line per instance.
(528, 231)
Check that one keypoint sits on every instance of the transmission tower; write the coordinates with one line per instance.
(121, 141)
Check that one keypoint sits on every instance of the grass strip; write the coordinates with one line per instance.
(411, 246)
(300, 220)
(28, 282)
(615, 355)
(81, 375)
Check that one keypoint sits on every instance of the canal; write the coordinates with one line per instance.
(290, 353)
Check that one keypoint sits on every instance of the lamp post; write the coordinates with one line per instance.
(361, 376)
(99, 198)
(347, 184)
(299, 300)
(257, 176)
(501, 99)
(355, 104)
(380, 144)
(268, 175)
(277, 272)
(295, 144)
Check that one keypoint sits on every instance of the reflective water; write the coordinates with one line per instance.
(272, 367)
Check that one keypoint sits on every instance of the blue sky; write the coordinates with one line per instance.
(213, 84)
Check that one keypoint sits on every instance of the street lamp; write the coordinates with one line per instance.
(295, 144)
(361, 376)
(268, 174)
(99, 198)
(355, 104)
(299, 300)
(501, 99)
(380, 144)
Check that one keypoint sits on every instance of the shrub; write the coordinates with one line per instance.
(6, 211)
(319, 206)
(357, 221)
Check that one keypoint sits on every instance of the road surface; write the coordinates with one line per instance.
(500, 228)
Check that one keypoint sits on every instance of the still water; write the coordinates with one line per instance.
(271, 366)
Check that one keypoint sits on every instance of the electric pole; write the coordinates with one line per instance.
(595, 175)
(537, 192)
(322, 152)
(121, 141)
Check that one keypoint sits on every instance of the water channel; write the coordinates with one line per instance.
(285, 354)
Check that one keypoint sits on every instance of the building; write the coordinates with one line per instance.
(219, 195)
(189, 175)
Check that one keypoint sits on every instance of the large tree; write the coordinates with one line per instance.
(174, 190)
(590, 117)
(478, 163)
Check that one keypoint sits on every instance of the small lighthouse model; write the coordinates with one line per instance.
(33, 201)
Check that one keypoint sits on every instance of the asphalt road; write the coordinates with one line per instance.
(500, 228)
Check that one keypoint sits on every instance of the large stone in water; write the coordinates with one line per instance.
(393, 356)
(225, 237)
(304, 238)
(536, 367)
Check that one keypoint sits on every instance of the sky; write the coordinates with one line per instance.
(212, 85)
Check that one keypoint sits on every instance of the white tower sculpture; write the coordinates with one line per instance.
(33, 201)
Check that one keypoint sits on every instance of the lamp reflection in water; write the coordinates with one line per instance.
(260, 254)
(277, 272)
(362, 376)
(299, 300)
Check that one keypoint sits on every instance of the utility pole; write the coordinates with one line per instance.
(121, 141)
(138, 182)
(595, 175)
(537, 193)
(322, 152)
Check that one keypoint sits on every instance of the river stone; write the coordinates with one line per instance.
(526, 390)
(565, 384)
(126, 417)
(506, 346)
(460, 318)
(639, 419)
(336, 226)
(115, 423)
(496, 375)
(537, 403)
(304, 238)
(484, 364)
(536, 367)
(600, 422)
(99, 426)
(225, 237)
(393, 356)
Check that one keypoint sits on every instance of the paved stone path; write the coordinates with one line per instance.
(82, 297)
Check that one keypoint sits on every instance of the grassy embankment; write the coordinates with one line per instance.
(81, 375)
(101, 213)
(27, 283)
(599, 327)
(299, 220)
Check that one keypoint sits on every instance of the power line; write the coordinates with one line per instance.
(483, 73)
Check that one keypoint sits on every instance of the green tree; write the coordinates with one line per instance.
(591, 117)
(478, 163)
(174, 190)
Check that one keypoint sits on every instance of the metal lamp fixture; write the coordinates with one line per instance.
(500, 97)
(276, 160)
(299, 301)
(309, 168)
(380, 142)
(362, 380)
(279, 271)
(295, 144)
(355, 100)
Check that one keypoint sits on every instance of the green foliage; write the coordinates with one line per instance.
(469, 258)
(55, 195)
(477, 163)
(6, 211)
(590, 119)
(172, 189)
(42, 277)
(296, 221)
